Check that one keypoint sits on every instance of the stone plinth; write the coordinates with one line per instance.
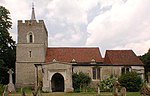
(11, 87)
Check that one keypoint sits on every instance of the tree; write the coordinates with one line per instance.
(146, 60)
(7, 45)
(131, 81)
(80, 80)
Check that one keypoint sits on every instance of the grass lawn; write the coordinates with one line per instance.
(78, 94)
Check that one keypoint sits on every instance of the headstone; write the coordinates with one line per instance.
(116, 84)
(98, 89)
(145, 90)
(123, 91)
(11, 86)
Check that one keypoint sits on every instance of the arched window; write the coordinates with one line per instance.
(30, 37)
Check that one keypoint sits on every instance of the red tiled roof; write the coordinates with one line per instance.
(67, 54)
(121, 57)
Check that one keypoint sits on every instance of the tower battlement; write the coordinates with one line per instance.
(30, 22)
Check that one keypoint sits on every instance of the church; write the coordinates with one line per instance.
(53, 66)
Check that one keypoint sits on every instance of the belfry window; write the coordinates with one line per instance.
(30, 37)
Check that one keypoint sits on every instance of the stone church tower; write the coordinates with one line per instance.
(31, 49)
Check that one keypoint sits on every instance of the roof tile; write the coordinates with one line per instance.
(67, 54)
(121, 57)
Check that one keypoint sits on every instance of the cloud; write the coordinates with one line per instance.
(124, 25)
(108, 24)
(69, 19)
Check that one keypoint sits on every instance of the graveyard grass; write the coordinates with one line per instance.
(77, 94)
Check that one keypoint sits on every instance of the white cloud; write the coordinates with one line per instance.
(125, 25)
(68, 10)
(140, 47)
(109, 24)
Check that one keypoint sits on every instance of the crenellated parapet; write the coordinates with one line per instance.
(30, 22)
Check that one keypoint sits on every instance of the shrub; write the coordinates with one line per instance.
(80, 81)
(1, 89)
(107, 84)
(131, 81)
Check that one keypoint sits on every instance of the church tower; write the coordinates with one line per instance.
(31, 49)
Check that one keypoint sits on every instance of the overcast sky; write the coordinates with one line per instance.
(107, 24)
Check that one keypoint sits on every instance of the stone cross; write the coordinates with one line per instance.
(10, 72)
(11, 87)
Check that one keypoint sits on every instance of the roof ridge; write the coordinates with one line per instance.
(121, 50)
(74, 47)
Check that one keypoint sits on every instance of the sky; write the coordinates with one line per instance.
(107, 24)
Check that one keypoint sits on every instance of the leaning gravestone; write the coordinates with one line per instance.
(11, 87)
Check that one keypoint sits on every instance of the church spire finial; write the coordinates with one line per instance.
(33, 13)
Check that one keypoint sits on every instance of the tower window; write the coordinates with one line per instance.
(30, 53)
(30, 37)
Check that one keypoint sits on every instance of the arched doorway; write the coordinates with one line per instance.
(57, 82)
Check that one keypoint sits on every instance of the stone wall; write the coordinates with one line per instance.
(107, 71)
(30, 53)
(25, 74)
(37, 28)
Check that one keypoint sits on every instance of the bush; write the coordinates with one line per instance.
(131, 81)
(80, 81)
(107, 84)
(1, 89)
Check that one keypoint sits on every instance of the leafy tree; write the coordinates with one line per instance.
(80, 80)
(146, 60)
(7, 45)
(131, 81)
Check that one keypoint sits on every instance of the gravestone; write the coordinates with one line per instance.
(123, 91)
(145, 90)
(11, 86)
(116, 85)
(98, 90)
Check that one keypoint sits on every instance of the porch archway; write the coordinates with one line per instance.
(57, 83)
